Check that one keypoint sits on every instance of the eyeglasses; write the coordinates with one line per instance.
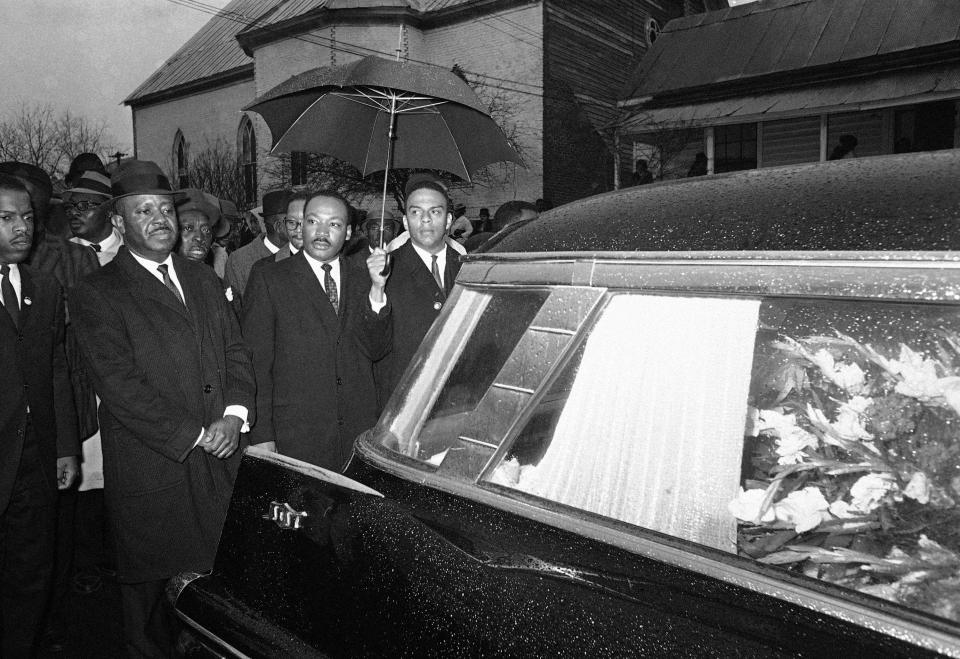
(81, 206)
(435, 213)
(293, 224)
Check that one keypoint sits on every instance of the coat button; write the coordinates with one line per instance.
(207, 388)
(339, 381)
(339, 422)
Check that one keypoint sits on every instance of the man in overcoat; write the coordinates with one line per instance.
(314, 334)
(422, 275)
(176, 384)
(38, 425)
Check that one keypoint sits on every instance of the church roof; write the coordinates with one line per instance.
(214, 53)
(773, 39)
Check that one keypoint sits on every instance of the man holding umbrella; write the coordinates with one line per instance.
(423, 271)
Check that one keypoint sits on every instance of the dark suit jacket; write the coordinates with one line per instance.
(414, 301)
(315, 388)
(33, 370)
(162, 371)
(69, 263)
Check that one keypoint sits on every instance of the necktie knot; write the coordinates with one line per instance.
(4, 270)
(326, 267)
(95, 246)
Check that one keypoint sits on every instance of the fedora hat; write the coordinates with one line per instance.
(30, 174)
(139, 177)
(275, 203)
(90, 182)
(192, 199)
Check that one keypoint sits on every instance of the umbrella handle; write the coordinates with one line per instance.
(388, 267)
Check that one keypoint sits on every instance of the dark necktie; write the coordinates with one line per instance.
(10, 301)
(95, 246)
(435, 271)
(331, 286)
(169, 282)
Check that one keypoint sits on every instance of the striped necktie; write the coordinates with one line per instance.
(330, 284)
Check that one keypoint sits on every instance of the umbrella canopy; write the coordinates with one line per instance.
(346, 112)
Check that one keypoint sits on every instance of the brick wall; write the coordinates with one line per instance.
(201, 117)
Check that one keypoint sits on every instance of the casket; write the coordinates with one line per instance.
(716, 417)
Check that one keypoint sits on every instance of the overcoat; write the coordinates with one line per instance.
(315, 388)
(414, 301)
(163, 371)
(34, 373)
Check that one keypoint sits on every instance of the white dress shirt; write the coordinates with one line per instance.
(109, 246)
(427, 259)
(151, 267)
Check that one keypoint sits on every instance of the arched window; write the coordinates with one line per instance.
(181, 160)
(247, 140)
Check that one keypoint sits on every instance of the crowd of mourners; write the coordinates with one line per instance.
(139, 358)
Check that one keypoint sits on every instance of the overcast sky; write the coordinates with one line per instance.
(89, 55)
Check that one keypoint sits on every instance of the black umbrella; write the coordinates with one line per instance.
(378, 114)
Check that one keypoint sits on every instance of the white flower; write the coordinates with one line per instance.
(843, 510)
(869, 490)
(918, 488)
(790, 445)
(849, 377)
(804, 509)
(229, 294)
(775, 421)
(849, 423)
(791, 439)
(746, 507)
(919, 375)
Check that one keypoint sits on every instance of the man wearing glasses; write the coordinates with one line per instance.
(89, 217)
(422, 276)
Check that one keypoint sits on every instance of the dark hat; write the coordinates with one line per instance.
(139, 177)
(418, 181)
(204, 202)
(275, 203)
(29, 174)
(91, 182)
(85, 162)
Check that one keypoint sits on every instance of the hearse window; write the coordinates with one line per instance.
(496, 348)
(847, 469)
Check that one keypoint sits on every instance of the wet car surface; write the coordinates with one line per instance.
(564, 469)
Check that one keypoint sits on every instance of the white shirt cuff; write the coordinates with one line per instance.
(238, 411)
(377, 306)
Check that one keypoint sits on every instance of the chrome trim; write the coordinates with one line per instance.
(477, 441)
(551, 330)
(308, 470)
(927, 637)
(175, 585)
(511, 387)
(213, 637)
(865, 258)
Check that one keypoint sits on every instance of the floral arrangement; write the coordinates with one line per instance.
(855, 468)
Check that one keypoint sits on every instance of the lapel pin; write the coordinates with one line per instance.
(229, 293)
(437, 305)
(27, 301)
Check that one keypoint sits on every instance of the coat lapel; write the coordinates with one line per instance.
(311, 290)
(27, 293)
(149, 286)
(192, 292)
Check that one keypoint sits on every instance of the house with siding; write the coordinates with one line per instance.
(778, 82)
(553, 69)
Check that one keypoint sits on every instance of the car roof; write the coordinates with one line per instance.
(897, 202)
